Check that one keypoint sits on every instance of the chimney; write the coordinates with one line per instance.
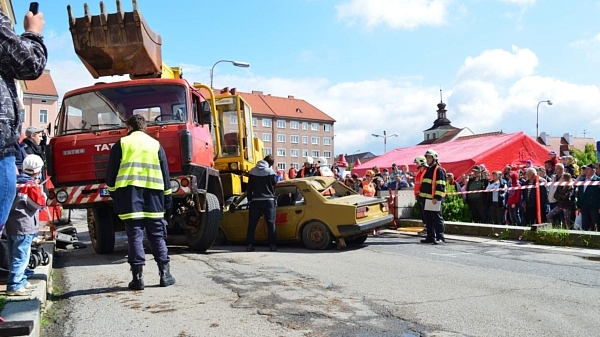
(545, 138)
(567, 136)
(290, 97)
(255, 92)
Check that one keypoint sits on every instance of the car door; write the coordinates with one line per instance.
(236, 228)
(291, 208)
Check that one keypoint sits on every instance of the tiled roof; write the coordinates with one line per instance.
(288, 107)
(42, 86)
(446, 137)
(561, 146)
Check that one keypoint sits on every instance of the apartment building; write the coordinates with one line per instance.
(291, 129)
(41, 102)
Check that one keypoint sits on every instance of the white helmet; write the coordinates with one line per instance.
(32, 164)
(308, 160)
(321, 161)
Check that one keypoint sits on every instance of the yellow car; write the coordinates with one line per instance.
(315, 211)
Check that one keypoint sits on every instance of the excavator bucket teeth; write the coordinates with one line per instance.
(121, 43)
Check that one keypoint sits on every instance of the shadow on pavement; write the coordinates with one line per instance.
(86, 292)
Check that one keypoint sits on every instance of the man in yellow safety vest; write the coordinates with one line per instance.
(138, 180)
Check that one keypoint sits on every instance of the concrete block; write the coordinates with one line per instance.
(26, 310)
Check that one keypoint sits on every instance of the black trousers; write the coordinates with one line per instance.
(435, 225)
(156, 231)
(257, 209)
(589, 218)
(478, 210)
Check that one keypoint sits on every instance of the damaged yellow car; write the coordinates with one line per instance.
(315, 211)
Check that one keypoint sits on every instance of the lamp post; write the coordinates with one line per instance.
(537, 114)
(385, 137)
(235, 63)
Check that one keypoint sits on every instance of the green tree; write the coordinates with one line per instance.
(587, 156)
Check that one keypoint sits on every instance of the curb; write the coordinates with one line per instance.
(30, 308)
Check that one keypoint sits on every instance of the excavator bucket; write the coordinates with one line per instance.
(116, 44)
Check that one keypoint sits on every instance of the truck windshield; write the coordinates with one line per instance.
(110, 108)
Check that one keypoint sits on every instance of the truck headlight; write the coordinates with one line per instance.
(174, 186)
(233, 166)
(62, 196)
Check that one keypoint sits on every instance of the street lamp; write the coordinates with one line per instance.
(537, 113)
(385, 137)
(235, 63)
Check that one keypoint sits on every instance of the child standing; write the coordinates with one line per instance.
(22, 225)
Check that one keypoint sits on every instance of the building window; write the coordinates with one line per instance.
(327, 127)
(427, 136)
(281, 166)
(294, 125)
(280, 152)
(326, 141)
(304, 125)
(280, 124)
(233, 120)
(294, 139)
(266, 122)
(314, 126)
(280, 138)
(266, 137)
(43, 116)
(254, 121)
(268, 151)
(315, 153)
(327, 154)
(315, 140)
(304, 153)
(304, 139)
(295, 153)
(434, 136)
(296, 166)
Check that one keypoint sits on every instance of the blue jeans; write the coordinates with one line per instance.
(19, 249)
(8, 186)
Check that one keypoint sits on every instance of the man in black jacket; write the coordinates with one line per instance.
(261, 197)
(23, 57)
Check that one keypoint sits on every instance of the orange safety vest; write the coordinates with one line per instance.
(418, 179)
(368, 189)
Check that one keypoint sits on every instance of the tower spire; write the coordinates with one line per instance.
(441, 100)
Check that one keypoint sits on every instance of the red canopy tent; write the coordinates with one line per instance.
(459, 156)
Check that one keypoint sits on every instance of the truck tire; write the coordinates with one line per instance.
(101, 226)
(315, 235)
(202, 236)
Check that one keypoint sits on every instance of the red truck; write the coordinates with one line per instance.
(92, 119)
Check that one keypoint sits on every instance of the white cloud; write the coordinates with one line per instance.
(499, 64)
(403, 14)
(587, 42)
(520, 2)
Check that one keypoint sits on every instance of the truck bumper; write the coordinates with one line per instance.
(82, 196)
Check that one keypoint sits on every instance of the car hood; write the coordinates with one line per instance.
(357, 200)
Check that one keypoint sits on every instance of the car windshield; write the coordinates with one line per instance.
(110, 108)
(333, 190)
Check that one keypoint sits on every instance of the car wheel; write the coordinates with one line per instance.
(315, 235)
(358, 240)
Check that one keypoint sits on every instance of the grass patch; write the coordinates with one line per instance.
(554, 237)
(503, 235)
(3, 301)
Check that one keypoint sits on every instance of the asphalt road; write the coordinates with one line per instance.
(390, 286)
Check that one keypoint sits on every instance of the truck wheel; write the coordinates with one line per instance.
(221, 238)
(315, 235)
(101, 225)
(202, 235)
(358, 240)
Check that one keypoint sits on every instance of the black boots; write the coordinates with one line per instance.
(138, 278)
(166, 279)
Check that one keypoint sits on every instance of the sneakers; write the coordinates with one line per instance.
(422, 233)
(20, 292)
(273, 248)
(250, 248)
(30, 286)
(439, 241)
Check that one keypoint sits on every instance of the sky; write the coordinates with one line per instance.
(378, 65)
